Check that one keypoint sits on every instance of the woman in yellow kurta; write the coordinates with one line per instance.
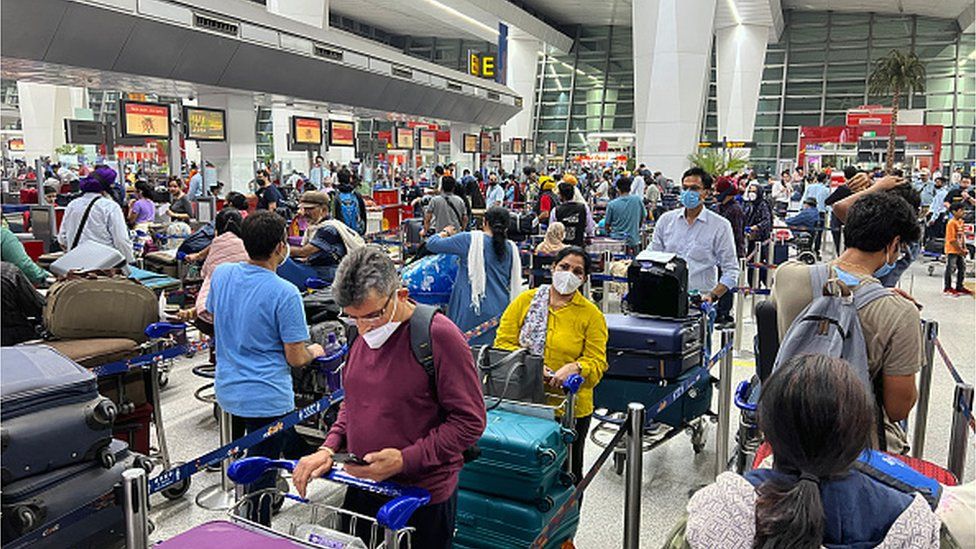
(567, 330)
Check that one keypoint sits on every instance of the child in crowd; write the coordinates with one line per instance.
(955, 251)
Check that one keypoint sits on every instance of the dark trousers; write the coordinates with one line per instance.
(434, 524)
(838, 235)
(582, 427)
(762, 256)
(957, 262)
(272, 447)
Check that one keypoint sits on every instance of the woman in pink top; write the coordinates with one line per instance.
(227, 247)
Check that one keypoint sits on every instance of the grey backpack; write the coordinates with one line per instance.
(829, 325)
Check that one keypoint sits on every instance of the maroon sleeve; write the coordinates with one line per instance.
(460, 398)
(336, 439)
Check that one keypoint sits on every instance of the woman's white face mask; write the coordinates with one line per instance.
(565, 282)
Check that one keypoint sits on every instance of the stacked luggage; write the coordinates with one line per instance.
(647, 357)
(58, 451)
(514, 488)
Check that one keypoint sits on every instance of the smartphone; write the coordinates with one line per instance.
(348, 458)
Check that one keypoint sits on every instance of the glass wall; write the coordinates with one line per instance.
(820, 66)
(590, 90)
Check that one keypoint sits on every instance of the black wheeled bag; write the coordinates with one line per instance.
(658, 287)
(52, 415)
(40, 500)
(522, 225)
(652, 348)
(320, 306)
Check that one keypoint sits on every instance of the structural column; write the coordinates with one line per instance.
(43, 109)
(671, 65)
(740, 53)
(523, 56)
(234, 158)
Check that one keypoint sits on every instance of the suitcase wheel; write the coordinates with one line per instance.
(163, 379)
(106, 457)
(546, 456)
(105, 412)
(569, 436)
(25, 519)
(144, 463)
(176, 491)
(567, 479)
(544, 505)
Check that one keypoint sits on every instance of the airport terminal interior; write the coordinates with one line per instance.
(489, 274)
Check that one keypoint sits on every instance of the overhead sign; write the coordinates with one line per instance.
(552, 147)
(342, 133)
(203, 124)
(306, 131)
(428, 140)
(145, 120)
(726, 144)
(518, 145)
(529, 146)
(83, 132)
(15, 144)
(482, 66)
(869, 115)
(470, 143)
(403, 138)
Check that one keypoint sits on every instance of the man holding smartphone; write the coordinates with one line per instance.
(408, 424)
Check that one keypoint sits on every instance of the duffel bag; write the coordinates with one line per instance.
(100, 306)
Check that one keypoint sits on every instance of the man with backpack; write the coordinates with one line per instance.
(445, 209)
(878, 331)
(547, 200)
(348, 205)
(413, 400)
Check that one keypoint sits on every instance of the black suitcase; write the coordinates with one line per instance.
(615, 393)
(781, 253)
(412, 228)
(320, 306)
(51, 412)
(658, 288)
(652, 348)
(522, 225)
(40, 500)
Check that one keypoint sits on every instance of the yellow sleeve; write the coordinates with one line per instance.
(507, 335)
(593, 363)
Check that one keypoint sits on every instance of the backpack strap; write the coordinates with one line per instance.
(868, 292)
(84, 220)
(819, 275)
(420, 341)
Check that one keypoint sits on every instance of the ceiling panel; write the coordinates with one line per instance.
(949, 9)
(396, 17)
(584, 12)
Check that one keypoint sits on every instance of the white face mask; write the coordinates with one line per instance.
(376, 337)
(750, 196)
(566, 282)
(287, 254)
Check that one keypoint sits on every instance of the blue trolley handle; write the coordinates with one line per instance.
(742, 397)
(393, 515)
(572, 384)
(341, 352)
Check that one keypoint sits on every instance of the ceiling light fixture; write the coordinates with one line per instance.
(735, 11)
(463, 16)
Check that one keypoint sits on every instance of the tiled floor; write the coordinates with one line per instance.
(671, 471)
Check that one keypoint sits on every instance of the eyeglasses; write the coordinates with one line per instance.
(368, 319)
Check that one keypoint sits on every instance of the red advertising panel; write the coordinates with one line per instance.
(145, 119)
(342, 134)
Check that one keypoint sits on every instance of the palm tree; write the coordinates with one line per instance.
(896, 73)
(717, 162)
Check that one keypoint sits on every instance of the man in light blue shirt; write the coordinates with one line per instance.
(937, 203)
(819, 190)
(496, 194)
(925, 186)
(701, 237)
(260, 323)
(196, 186)
(317, 174)
(625, 214)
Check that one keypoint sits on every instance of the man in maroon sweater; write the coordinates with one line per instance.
(405, 429)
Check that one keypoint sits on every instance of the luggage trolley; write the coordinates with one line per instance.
(687, 414)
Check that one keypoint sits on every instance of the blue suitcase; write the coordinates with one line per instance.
(52, 414)
(40, 500)
(614, 394)
(652, 348)
(521, 458)
(489, 522)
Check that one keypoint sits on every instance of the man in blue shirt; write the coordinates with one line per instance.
(316, 175)
(260, 324)
(196, 185)
(625, 214)
(925, 186)
(701, 237)
(807, 219)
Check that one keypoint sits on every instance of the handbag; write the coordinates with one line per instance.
(510, 375)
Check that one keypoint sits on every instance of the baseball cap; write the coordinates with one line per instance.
(810, 201)
(725, 187)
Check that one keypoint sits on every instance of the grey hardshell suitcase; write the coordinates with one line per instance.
(88, 256)
(652, 348)
(51, 414)
(39, 501)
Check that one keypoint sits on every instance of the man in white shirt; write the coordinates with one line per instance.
(638, 186)
(701, 237)
(105, 223)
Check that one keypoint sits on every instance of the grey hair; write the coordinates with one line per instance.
(363, 270)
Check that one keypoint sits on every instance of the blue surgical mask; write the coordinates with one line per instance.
(690, 199)
(886, 268)
(846, 277)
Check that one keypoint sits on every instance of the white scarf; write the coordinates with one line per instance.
(350, 238)
(476, 271)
